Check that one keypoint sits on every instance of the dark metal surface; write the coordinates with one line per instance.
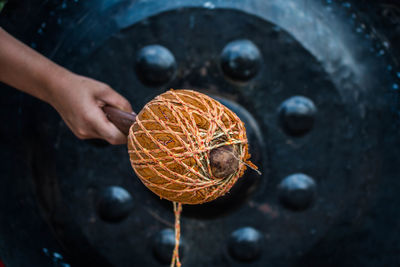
(245, 244)
(240, 60)
(297, 191)
(297, 115)
(114, 204)
(338, 142)
(155, 65)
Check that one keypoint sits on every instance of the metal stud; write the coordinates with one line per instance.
(297, 191)
(297, 115)
(240, 60)
(115, 204)
(245, 244)
(163, 245)
(155, 65)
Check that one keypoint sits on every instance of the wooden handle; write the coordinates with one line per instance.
(121, 119)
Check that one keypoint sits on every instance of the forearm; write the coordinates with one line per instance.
(27, 70)
(79, 100)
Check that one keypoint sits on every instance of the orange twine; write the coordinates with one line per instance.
(175, 255)
(169, 147)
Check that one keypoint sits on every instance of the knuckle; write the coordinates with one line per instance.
(88, 118)
(82, 134)
(104, 87)
(115, 140)
(125, 104)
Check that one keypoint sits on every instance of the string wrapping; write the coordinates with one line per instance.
(170, 144)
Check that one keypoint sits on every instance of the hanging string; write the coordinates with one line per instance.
(175, 255)
(170, 145)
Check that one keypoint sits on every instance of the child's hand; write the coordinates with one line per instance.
(79, 101)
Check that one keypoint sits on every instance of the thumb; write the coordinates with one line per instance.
(112, 98)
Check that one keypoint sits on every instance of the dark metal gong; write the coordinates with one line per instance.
(316, 85)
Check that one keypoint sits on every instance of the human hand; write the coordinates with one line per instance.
(79, 101)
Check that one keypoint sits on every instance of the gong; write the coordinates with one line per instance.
(316, 84)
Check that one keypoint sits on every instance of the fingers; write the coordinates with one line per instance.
(82, 110)
(104, 129)
(112, 98)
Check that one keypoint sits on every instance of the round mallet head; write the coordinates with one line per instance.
(187, 147)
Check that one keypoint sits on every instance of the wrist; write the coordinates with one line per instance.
(55, 83)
